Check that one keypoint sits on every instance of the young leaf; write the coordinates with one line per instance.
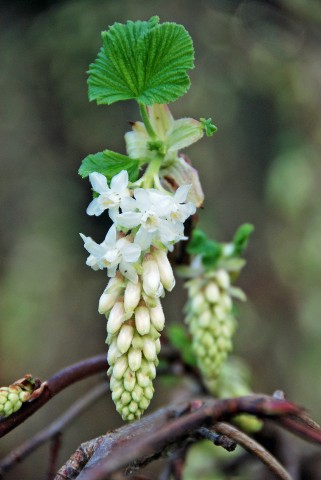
(241, 238)
(209, 250)
(109, 164)
(145, 61)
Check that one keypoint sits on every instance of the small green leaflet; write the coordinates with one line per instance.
(145, 61)
(208, 126)
(109, 164)
(209, 250)
(241, 238)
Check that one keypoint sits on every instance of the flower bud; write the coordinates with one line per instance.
(116, 318)
(165, 269)
(110, 295)
(212, 292)
(125, 337)
(132, 296)
(113, 353)
(149, 349)
(223, 279)
(157, 316)
(142, 320)
(129, 380)
(134, 359)
(151, 277)
(120, 367)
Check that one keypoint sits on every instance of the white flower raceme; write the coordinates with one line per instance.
(211, 321)
(158, 215)
(109, 197)
(113, 253)
(134, 321)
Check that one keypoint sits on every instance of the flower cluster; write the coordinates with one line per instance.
(11, 399)
(147, 222)
(210, 318)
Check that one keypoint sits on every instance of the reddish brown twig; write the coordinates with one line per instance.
(254, 448)
(54, 385)
(151, 437)
(26, 448)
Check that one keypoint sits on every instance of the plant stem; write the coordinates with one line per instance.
(152, 172)
(145, 118)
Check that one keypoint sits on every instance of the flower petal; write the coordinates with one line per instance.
(129, 219)
(95, 207)
(98, 182)
(128, 271)
(119, 182)
(181, 193)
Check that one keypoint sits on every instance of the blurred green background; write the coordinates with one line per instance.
(258, 75)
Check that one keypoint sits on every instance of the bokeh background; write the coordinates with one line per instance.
(258, 75)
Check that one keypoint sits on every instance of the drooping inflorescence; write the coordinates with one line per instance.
(148, 212)
(209, 312)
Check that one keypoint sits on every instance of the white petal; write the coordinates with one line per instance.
(110, 239)
(128, 204)
(131, 252)
(129, 219)
(119, 182)
(181, 193)
(144, 238)
(143, 198)
(95, 207)
(128, 271)
(99, 182)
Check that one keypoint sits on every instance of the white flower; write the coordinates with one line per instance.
(180, 211)
(109, 197)
(112, 253)
(152, 210)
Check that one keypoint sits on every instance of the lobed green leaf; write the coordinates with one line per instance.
(109, 164)
(145, 61)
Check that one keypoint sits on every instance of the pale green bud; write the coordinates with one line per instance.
(149, 392)
(125, 398)
(137, 393)
(134, 359)
(157, 316)
(143, 379)
(223, 279)
(133, 407)
(110, 295)
(149, 349)
(132, 296)
(129, 380)
(120, 367)
(142, 320)
(116, 318)
(212, 292)
(125, 337)
(151, 276)
(113, 353)
(144, 403)
(165, 269)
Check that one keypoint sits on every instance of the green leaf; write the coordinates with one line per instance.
(209, 250)
(142, 60)
(241, 238)
(208, 126)
(109, 164)
(180, 339)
